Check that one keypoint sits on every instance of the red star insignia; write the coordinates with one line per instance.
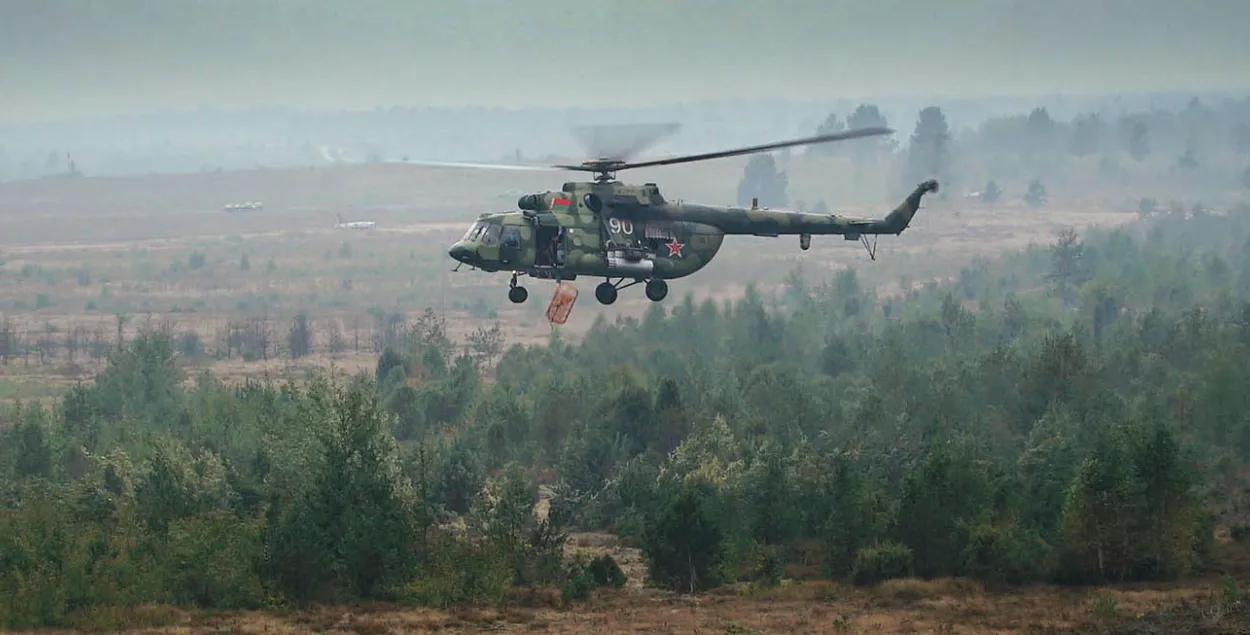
(674, 247)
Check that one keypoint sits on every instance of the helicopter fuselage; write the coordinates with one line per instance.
(616, 230)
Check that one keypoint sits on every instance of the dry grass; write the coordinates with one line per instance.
(904, 606)
(898, 606)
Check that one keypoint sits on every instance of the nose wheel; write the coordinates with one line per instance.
(517, 293)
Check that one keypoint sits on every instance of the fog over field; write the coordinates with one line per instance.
(81, 58)
(136, 86)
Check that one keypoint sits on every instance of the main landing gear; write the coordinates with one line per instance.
(656, 289)
(606, 292)
(516, 292)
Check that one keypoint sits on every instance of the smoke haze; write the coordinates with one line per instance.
(74, 58)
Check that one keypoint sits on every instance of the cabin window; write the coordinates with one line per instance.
(492, 235)
(511, 237)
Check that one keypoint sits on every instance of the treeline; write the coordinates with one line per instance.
(1073, 413)
(1114, 139)
(249, 339)
(192, 141)
(1201, 147)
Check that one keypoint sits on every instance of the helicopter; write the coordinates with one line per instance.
(604, 228)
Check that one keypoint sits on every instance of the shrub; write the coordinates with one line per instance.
(883, 562)
(684, 544)
(581, 578)
(606, 572)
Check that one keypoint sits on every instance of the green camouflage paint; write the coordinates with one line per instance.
(604, 228)
(612, 230)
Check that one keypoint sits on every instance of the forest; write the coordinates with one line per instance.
(1074, 414)
(1196, 150)
(1070, 140)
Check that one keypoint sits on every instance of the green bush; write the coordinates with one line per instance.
(684, 545)
(211, 562)
(581, 578)
(578, 584)
(605, 572)
(769, 566)
(457, 573)
(886, 561)
(997, 554)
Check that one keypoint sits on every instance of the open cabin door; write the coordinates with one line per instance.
(549, 243)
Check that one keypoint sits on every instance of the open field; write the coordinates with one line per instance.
(160, 250)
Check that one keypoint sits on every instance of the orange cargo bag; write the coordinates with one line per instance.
(561, 302)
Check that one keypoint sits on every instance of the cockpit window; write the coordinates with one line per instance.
(475, 231)
(492, 235)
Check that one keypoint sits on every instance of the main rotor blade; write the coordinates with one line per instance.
(479, 166)
(841, 136)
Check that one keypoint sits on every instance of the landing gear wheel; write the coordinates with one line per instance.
(516, 292)
(605, 293)
(656, 289)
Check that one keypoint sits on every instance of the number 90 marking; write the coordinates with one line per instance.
(621, 226)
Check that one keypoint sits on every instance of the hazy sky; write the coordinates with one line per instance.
(89, 57)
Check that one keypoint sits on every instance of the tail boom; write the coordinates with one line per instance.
(900, 218)
(767, 222)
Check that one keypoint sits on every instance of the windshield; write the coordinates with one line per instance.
(491, 236)
(475, 231)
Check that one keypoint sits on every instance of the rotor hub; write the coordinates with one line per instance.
(603, 169)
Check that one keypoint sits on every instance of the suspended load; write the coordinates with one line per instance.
(561, 302)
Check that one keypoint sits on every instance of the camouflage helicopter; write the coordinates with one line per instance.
(613, 230)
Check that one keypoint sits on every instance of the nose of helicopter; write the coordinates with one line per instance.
(460, 252)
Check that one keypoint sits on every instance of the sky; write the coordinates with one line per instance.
(74, 58)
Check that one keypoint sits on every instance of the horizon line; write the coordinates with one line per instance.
(471, 107)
